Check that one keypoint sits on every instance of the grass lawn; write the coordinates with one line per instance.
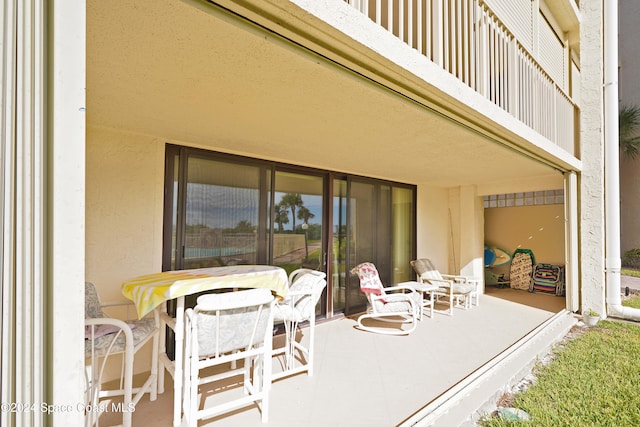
(630, 272)
(593, 379)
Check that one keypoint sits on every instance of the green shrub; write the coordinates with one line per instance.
(631, 259)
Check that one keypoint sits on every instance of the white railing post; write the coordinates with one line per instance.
(390, 16)
(419, 27)
(483, 56)
(468, 41)
(437, 54)
(410, 34)
(513, 78)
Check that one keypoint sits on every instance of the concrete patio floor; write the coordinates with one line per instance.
(367, 379)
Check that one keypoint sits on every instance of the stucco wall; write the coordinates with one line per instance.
(123, 208)
(124, 201)
(449, 229)
(539, 228)
(433, 228)
(591, 182)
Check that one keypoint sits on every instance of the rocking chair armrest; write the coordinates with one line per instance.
(455, 278)
(393, 289)
(439, 282)
(390, 297)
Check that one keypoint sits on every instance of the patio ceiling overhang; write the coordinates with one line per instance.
(190, 76)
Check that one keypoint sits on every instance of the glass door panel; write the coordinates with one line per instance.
(222, 213)
(298, 232)
(361, 235)
(403, 235)
(339, 273)
(297, 221)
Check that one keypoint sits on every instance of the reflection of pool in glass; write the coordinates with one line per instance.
(215, 252)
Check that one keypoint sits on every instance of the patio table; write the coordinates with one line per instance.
(150, 291)
(423, 288)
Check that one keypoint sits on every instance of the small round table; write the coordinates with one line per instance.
(424, 288)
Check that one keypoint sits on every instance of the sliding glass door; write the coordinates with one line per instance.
(217, 209)
(229, 210)
(380, 228)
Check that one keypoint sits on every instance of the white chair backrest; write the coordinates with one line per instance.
(425, 269)
(311, 282)
(232, 320)
(92, 309)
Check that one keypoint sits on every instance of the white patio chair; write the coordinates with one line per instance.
(224, 328)
(105, 337)
(454, 290)
(306, 287)
(396, 304)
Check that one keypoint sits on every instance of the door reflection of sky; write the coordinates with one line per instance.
(224, 207)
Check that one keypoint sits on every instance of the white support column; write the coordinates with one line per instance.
(572, 278)
(23, 204)
(8, 109)
(592, 212)
(66, 218)
(471, 240)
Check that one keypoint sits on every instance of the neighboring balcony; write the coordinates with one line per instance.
(468, 40)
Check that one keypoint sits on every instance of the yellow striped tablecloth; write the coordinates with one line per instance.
(149, 291)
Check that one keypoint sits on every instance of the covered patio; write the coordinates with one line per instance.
(196, 75)
(455, 364)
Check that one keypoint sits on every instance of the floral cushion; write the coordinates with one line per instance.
(141, 330)
(92, 309)
(396, 305)
(393, 307)
(226, 330)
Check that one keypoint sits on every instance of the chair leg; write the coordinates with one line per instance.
(427, 303)
(128, 387)
(267, 366)
(265, 386)
(430, 305)
(153, 394)
(193, 391)
(290, 328)
(312, 333)
(161, 349)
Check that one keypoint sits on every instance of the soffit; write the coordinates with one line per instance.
(178, 73)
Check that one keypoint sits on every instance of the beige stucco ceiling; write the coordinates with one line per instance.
(186, 76)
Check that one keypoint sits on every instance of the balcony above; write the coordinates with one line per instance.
(312, 83)
(512, 54)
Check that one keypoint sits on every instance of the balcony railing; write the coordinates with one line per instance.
(466, 39)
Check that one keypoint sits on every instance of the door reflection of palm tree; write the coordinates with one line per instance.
(305, 215)
(292, 201)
